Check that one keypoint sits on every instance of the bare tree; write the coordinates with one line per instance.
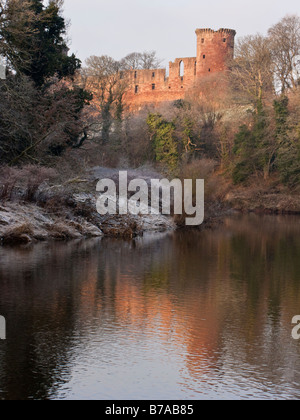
(103, 76)
(131, 61)
(36, 125)
(101, 67)
(138, 61)
(15, 19)
(149, 60)
(284, 39)
(252, 69)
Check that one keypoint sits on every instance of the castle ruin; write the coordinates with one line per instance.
(214, 50)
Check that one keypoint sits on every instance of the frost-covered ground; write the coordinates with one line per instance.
(22, 222)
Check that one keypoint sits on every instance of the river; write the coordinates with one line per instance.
(179, 315)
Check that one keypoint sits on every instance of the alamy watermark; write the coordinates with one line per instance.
(2, 69)
(161, 196)
(2, 328)
(296, 329)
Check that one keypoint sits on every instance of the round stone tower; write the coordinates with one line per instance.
(214, 50)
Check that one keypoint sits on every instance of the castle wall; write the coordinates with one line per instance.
(214, 50)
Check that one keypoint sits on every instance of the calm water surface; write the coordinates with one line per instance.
(189, 315)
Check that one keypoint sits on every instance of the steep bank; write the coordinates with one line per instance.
(62, 214)
(69, 212)
(265, 200)
(22, 223)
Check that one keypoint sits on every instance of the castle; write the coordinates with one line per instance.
(214, 50)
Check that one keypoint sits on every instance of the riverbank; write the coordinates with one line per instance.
(23, 223)
(65, 212)
(154, 311)
(264, 199)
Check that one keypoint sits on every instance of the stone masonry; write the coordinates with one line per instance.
(214, 50)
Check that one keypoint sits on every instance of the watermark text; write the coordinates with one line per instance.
(296, 329)
(2, 69)
(2, 328)
(161, 196)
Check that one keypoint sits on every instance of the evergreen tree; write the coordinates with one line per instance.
(38, 117)
(253, 148)
(42, 51)
(288, 159)
(164, 143)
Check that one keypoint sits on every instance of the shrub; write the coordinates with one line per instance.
(27, 180)
(20, 234)
(164, 143)
(8, 179)
(34, 177)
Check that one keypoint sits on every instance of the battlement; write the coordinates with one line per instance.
(221, 30)
(215, 50)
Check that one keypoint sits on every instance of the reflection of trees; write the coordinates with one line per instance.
(221, 300)
(263, 260)
(39, 291)
(227, 295)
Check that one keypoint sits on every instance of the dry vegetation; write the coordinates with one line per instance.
(239, 131)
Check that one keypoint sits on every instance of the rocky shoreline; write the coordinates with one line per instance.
(69, 212)
(23, 223)
(276, 201)
(62, 214)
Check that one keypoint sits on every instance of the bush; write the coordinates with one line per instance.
(25, 181)
(35, 176)
(20, 234)
(164, 143)
(8, 180)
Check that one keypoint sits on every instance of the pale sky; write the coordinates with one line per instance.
(118, 27)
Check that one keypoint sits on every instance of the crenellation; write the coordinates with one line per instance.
(214, 50)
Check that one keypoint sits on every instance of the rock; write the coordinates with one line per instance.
(4, 220)
(83, 198)
(17, 234)
(159, 223)
(76, 216)
(62, 231)
(91, 231)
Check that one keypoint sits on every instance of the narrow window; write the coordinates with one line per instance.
(181, 69)
(209, 70)
(224, 39)
(153, 86)
(204, 57)
(153, 74)
(136, 89)
(202, 40)
(135, 74)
